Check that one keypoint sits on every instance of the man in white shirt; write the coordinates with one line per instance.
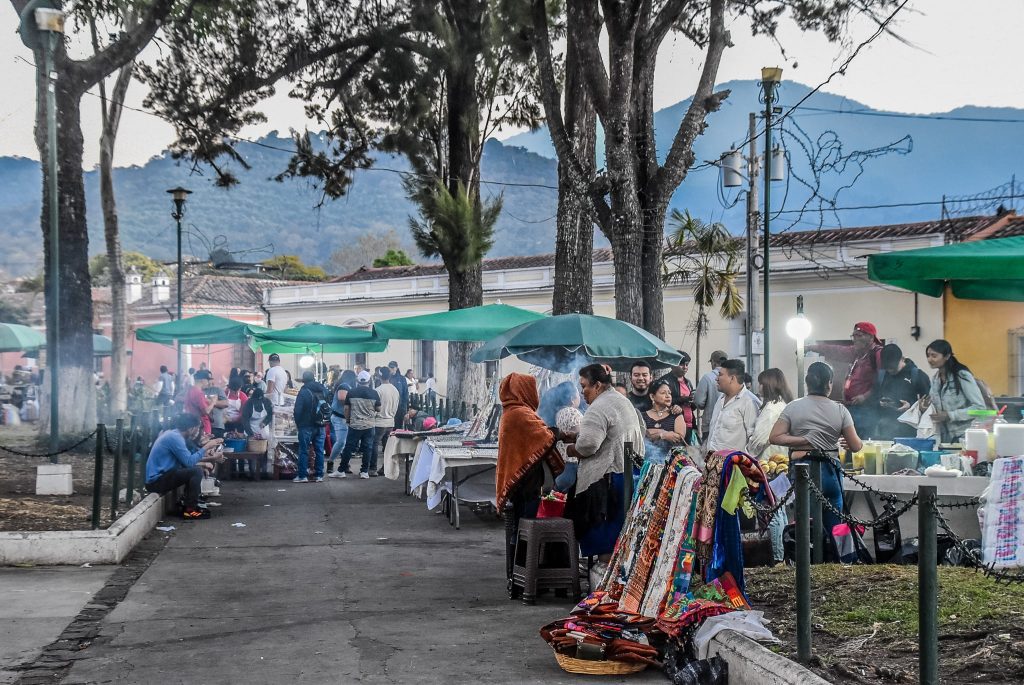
(705, 397)
(735, 413)
(390, 399)
(277, 380)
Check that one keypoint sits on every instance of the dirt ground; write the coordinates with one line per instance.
(865, 623)
(22, 509)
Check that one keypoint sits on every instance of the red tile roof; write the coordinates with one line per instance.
(954, 229)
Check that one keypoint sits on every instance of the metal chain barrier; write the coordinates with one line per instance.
(971, 556)
(885, 518)
(765, 510)
(969, 502)
(51, 454)
(884, 496)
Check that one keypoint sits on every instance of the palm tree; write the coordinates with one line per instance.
(706, 256)
(459, 229)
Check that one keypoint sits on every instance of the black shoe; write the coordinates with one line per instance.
(373, 474)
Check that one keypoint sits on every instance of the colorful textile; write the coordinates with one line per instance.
(682, 571)
(598, 622)
(676, 531)
(707, 505)
(636, 588)
(523, 439)
(633, 529)
(1002, 532)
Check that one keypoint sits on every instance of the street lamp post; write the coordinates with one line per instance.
(799, 328)
(770, 78)
(179, 195)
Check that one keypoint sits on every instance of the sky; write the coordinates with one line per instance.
(949, 57)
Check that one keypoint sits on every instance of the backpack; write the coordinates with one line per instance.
(986, 394)
(321, 409)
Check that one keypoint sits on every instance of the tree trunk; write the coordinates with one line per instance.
(466, 379)
(574, 240)
(77, 402)
(652, 290)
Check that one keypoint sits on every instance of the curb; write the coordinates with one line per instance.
(77, 547)
(749, 662)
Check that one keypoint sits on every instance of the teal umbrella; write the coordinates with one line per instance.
(322, 337)
(102, 346)
(205, 329)
(473, 324)
(569, 341)
(17, 338)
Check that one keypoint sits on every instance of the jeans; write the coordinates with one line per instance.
(364, 440)
(339, 437)
(308, 435)
(776, 526)
(191, 478)
(832, 489)
(382, 440)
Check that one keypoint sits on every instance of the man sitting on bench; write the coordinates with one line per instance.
(171, 463)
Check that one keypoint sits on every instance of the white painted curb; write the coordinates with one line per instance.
(749, 662)
(79, 547)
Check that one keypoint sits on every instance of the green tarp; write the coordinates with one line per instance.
(315, 337)
(570, 341)
(205, 329)
(977, 270)
(17, 338)
(474, 324)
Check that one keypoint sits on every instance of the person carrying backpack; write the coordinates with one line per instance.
(312, 412)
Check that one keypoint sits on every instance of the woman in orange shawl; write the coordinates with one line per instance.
(524, 442)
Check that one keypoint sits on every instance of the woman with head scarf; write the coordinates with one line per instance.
(524, 444)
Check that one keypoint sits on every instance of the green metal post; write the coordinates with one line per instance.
(97, 476)
(116, 475)
(133, 453)
(817, 525)
(53, 351)
(927, 586)
(803, 564)
(769, 101)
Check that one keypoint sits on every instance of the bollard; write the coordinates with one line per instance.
(133, 453)
(627, 477)
(817, 524)
(927, 586)
(97, 476)
(803, 564)
(116, 475)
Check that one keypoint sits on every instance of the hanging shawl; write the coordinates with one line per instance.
(676, 530)
(523, 439)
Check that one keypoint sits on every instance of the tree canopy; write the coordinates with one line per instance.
(291, 268)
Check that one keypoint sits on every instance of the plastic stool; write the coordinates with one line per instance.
(536, 563)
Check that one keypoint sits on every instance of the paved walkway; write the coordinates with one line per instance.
(346, 581)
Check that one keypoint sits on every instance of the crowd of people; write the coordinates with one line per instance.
(589, 424)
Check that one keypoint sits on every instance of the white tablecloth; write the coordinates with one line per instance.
(435, 456)
(963, 520)
(394, 455)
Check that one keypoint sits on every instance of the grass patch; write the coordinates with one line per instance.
(850, 601)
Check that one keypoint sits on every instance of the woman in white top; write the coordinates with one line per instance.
(775, 395)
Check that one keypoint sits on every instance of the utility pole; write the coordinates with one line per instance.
(752, 250)
(770, 78)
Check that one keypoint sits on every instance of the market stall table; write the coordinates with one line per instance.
(949, 490)
(400, 449)
(435, 457)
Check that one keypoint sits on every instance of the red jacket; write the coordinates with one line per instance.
(863, 369)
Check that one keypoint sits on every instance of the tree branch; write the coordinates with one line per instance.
(666, 17)
(126, 48)
(581, 13)
(680, 155)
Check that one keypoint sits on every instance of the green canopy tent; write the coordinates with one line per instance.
(205, 329)
(322, 337)
(474, 324)
(562, 343)
(977, 270)
(102, 346)
(17, 338)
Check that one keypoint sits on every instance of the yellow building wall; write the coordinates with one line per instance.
(980, 332)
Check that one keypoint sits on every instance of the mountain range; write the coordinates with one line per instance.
(846, 152)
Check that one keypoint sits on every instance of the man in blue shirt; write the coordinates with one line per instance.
(172, 464)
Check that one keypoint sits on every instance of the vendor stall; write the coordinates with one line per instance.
(446, 471)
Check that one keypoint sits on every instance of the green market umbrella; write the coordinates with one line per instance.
(205, 329)
(322, 337)
(17, 338)
(102, 346)
(474, 324)
(569, 341)
(976, 270)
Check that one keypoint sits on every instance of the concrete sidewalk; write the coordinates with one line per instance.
(345, 581)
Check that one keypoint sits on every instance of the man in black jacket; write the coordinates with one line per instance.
(310, 426)
(398, 380)
(900, 384)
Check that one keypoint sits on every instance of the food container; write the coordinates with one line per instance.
(919, 444)
(235, 444)
(900, 458)
(1009, 440)
(929, 458)
(257, 445)
(976, 440)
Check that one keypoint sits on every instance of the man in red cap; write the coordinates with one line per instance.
(865, 360)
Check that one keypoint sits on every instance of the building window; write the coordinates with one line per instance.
(1016, 384)
(424, 358)
(360, 359)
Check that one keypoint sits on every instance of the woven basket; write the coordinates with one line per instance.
(256, 445)
(589, 667)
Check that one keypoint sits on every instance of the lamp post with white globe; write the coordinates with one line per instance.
(799, 328)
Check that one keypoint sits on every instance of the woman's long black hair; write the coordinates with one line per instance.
(952, 367)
